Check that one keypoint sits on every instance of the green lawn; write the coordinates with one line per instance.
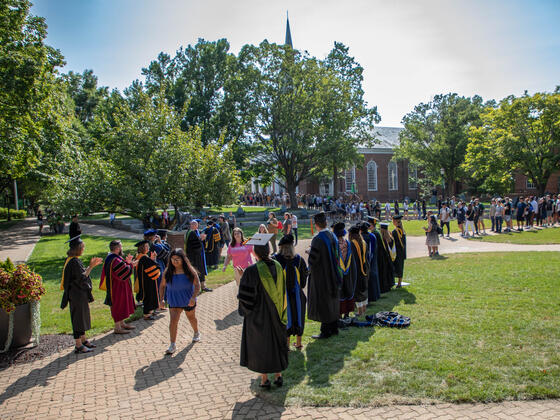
(48, 259)
(527, 237)
(485, 327)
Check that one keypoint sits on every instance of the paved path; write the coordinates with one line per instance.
(130, 377)
(18, 241)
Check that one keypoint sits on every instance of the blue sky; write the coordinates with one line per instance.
(410, 50)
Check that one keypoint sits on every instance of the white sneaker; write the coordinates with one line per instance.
(171, 349)
(196, 337)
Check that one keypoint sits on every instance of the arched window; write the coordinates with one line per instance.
(393, 178)
(372, 176)
(350, 178)
(412, 177)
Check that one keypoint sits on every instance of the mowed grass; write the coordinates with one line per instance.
(48, 259)
(485, 327)
(527, 237)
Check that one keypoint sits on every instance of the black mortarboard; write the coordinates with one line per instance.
(209, 223)
(397, 216)
(287, 240)
(149, 232)
(140, 243)
(320, 217)
(339, 229)
(75, 241)
(364, 227)
(372, 219)
(384, 225)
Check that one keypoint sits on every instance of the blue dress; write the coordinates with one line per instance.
(180, 291)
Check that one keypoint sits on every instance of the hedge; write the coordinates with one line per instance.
(15, 214)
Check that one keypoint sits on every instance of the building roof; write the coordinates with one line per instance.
(386, 139)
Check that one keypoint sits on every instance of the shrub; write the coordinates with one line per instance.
(20, 286)
(15, 214)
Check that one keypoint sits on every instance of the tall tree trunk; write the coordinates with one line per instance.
(291, 188)
(335, 173)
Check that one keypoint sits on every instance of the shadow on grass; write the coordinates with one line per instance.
(148, 376)
(322, 359)
(41, 376)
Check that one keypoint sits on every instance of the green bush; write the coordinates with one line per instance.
(15, 214)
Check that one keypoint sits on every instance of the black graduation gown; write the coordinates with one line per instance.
(400, 246)
(211, 246)
(298, 316)
(264, 348)
(146, 274)
(74, 230)
(77, 290)
(194, 248)
(385, 266)
(362, 271)
(348, 285)
(323, 290)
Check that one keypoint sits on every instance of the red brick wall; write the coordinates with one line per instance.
(552, 185)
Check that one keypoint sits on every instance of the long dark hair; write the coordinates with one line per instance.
(187, 266)
(233, 240)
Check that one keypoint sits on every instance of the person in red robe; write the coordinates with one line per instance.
(115, 279)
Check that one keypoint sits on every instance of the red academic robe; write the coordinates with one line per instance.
(115, 278)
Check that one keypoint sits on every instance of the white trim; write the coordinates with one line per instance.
(529, 185)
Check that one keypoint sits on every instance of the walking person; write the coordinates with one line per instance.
(240, 253)
(493, 214)
(323, 290)
(499, 215)
(461, 217)
(225, 233)
(115, 280)
(296, 279)
(470, 215)
(272, 227)
(181, 287)
(445, 217)
(432, 237)
(146, 275)
(263, 306)
(295, 227)
(40, 222)
(76, 284)
(194, 248)
(287, 224)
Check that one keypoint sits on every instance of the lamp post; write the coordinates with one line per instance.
(442, 171)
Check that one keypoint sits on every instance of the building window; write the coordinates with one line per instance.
(393, 178)
(412, 177)
(372, 176)
(350, 178)
(530, 185)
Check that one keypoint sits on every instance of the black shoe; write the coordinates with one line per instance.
(279, 381)
(266, 385)
(320, 336)
(206, 289)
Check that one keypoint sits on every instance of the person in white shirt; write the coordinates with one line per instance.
(405, 209)
(294, 227)
(387, 211)
(445, 216)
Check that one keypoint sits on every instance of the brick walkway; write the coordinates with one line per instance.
(130, 377)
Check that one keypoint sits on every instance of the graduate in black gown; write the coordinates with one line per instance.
(296, 280)
(76, 284)
(74, 229)
(373, 238)
(194, 248)
(263, 306)
(359, 248)
(323, 290)
(399, 238)
(211, 245)
(146, 274)
(347, 262)
(386, 253)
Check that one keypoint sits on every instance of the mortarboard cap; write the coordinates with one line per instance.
(140, 243)
(384, 225)
(364, 226)
(372, 219)
(162, 232)
(75, 241)
(397, 216)
(355, 229)
(149, 232)
(260, 239)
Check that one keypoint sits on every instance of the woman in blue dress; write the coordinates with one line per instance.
(181, 284)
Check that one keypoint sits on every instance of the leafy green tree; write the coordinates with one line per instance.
(521, 135)
(347, 120)
(435, 136)
(27, 80)
(83, 89)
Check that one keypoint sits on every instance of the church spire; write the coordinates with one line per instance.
(288, 34)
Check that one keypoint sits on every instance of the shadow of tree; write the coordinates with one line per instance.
(148, 376)
(41, 376)
(231, 319)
